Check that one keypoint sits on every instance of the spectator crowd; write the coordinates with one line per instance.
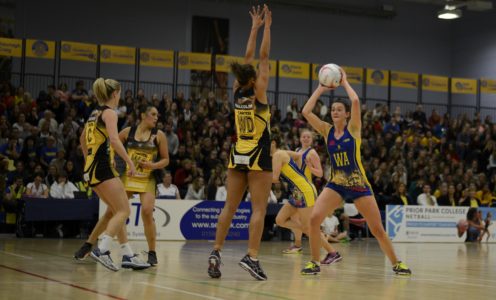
(409, 157)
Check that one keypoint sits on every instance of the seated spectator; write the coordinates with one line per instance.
(449, 199)
(12, 149)
(330, 228)
(13, 194)
(37, 188)
(63, 189)
(53, 126)
(221, 193)
(485, 196)
(196, 190)
(184, 176)
(48, 152)
(469, 199)
(167, 190)
(426, 199)
(52, 176)
(400, 197)
(59, 161)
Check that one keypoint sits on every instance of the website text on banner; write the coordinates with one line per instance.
(186, 220)
(412, 223)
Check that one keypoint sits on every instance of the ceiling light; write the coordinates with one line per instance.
(449, 12)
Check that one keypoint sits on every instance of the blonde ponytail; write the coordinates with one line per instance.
(103, 88)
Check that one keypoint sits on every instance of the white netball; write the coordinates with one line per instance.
(330, 75)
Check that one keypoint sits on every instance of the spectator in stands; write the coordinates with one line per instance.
(48, 119)
(469, 199)
(419, 115)
(62, 188)
(485, 196)
(12, 149)
(78, 93)
(448, 199)
(59, 161)
(166, 189)
(293, 108)
(221, 193)
(196, 190)
(172, 140)
(48, 152)
(400, 197)
(280, 192)
(183, 176)
(330, 228)
(37, 188)
(426, 199)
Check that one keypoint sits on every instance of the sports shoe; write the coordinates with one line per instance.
(83, 252)
(311, 268)
(253, 267)
(292, 250)
(104, 259)
(214, 263)
(152, 258)
(133, 262)
(331, 258)
(401, 268)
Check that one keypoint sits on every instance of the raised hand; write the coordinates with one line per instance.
(267, 16)
(344, 77)
(257, 15)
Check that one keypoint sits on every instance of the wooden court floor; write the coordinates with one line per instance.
(44, 269)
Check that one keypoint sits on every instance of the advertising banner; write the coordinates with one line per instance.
(444, 224)
(435, 83)
(10, 47)
(186, 220)
(40, 49)
(404, 80)
(156, 58)
(78, 51)
(117, 54)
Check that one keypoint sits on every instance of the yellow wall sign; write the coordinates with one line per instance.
(293, 69)
(78, 51)
(10, 47)
(377, 77)
(40, 49)
(223, 62)
(404, 80)
(194, 61)
(156, 58)
(488, 86)
(117, 54)
(463, 86)
(435, 83)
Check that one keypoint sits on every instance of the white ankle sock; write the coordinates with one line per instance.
(126, 250)
(105, 243)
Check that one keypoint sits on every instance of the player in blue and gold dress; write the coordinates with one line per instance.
(347, 180)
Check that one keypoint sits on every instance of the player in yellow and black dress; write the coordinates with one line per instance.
(287, 165)
(347, 181)
(98, 141)
(310, 166)
(249, 163)
(144, 144)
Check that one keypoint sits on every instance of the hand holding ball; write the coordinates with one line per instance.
(330, 76)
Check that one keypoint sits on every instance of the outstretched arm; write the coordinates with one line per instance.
(264, 66)
(356, 118)
(276, 166)
(317, 124)
(257, 21)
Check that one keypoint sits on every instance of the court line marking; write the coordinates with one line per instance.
(61, 282)
(180, 291)
(18, 255)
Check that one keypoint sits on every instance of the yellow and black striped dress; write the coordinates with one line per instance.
(98, 166)
(251, 152)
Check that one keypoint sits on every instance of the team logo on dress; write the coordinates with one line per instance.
(40, 48)
(332, 143)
